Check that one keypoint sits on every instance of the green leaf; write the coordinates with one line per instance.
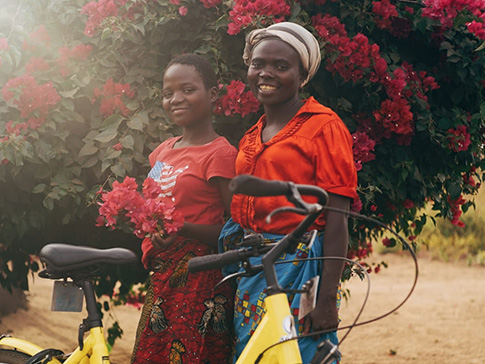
(107, 135)
(39, 188)
(118, 170)
(88, 149)
(69, 94)
(113, 154)
(106, 33)
(48, 204)
(480, 48)
(138, 121)
(128, 142)
(111, 122)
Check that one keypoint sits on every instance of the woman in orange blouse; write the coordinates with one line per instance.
(300, 141)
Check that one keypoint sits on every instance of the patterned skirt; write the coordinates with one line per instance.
(251, 291)
(184, 319)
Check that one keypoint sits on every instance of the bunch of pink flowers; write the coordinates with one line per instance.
(144, 213)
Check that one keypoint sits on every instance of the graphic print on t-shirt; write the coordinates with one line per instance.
(166, 176)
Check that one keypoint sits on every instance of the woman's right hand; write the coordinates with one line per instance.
(161, 241)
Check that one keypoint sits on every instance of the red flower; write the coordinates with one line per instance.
(458, 139)
(142, 213)
(384, 11)
(387, 242)
(356, 205)
(408, 204)
(67, 56)
(98, 11)
(36, 64)
(456, 210)
(33, 100)
(112, 96)
(3, 44)
(236, 101)
(395, 116)
(246, 12)
(362, 148)
(118, 146)
(183, 10)
(210, 3)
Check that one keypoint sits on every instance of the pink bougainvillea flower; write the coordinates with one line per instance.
(458, 139)
(32, 99)
(36, 64)
(3, 44)
(408, 204)
(237, 101)
(246, 12)
(67, 56)
(183, 10)
(395, 116)
(456, 210)
(210, 3)
(445, 11)
(143, 213)
(384, 12)
(41, 35)
(112, 97)
(362, 148)
(97, 11)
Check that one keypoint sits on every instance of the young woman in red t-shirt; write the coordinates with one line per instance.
(184, 319)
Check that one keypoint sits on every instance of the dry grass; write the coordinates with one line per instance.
(451, 243)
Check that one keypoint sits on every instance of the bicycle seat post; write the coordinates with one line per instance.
(94, 317)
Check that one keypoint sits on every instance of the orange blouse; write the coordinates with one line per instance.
(315, 147)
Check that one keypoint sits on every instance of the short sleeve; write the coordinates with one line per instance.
(222, 163)
(333, 157)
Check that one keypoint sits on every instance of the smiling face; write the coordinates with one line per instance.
(185, 98)
(274, 73)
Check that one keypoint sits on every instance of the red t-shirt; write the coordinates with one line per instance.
(315, 148)
(183, 175)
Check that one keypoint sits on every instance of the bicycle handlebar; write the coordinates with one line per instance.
(217, 261)
(253, 186)
(247, 184)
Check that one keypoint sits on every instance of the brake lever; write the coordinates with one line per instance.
(250, 271)
(309, 208)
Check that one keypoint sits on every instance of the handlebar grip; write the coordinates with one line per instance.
(253, 186)
(214, 261)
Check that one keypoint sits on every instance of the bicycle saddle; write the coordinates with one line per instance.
(64, 258)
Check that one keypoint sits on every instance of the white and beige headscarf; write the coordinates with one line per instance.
(296, 36)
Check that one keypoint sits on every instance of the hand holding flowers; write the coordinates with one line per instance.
(146, 214)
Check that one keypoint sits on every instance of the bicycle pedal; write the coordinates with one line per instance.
(326, 353)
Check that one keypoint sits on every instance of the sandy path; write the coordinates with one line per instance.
(443, 322)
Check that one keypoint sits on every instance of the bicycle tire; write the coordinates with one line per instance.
(12, 357)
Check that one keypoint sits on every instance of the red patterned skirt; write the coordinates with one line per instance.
(184, 319)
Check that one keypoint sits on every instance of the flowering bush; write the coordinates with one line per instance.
(143, 214)
(80, 105)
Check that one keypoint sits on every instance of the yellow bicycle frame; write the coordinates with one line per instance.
(276, 326)
(95, 350)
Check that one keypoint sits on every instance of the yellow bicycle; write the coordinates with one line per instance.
(275, 339)
(73, 268)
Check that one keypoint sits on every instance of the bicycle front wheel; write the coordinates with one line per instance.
(12, 357)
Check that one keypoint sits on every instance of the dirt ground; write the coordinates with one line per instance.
(443, 321)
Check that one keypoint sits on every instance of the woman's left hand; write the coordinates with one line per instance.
(323, 317)
(162, 242)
